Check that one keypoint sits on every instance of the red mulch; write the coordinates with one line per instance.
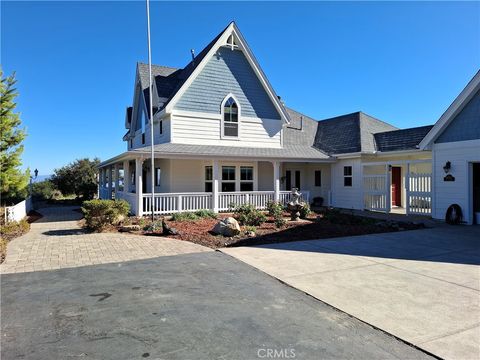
(314, 228)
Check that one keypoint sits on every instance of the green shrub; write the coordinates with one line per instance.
(102, 213)
(305, 211)
(206, 214)
(44, 190)
(250, 228)
(247, 215)
(184, 216)
(275, 209)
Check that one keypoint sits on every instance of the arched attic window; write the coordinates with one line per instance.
(230, 117)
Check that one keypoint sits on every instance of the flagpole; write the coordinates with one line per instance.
(152, 153)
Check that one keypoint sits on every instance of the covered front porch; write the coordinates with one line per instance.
(190, 184)
(398, 186)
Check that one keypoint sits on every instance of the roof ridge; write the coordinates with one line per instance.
(376, 119)
(405, 129)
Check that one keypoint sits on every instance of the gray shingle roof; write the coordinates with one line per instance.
(288, 152)
(349, 133)
(405, 139)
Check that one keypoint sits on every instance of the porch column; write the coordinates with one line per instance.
(276, 180)
(407, 189)
(110, 182)
(138, 185)
(215, 181)
(126, 176)
(388, 186)
(107, 178)
(117, 179)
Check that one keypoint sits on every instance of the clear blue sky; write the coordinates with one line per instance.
(75, 61)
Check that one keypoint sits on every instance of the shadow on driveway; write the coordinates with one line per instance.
(449, 244)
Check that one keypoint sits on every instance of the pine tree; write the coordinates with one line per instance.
(13, 182)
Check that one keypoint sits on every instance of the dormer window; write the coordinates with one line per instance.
(230, 118)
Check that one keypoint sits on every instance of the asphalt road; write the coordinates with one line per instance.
(195, 306)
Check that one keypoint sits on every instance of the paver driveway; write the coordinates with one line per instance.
(422, 286)
(56, 241)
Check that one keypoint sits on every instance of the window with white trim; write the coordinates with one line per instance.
(246, 178)
(230, 118)
(347, 176)
(208, 178)
(228, 178)
(158, 173)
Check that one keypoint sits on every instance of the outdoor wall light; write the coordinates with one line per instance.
(447, 167)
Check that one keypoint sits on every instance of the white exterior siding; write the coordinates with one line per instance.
(345, 196)
(460, 154)
(205, 129)
(265, 176)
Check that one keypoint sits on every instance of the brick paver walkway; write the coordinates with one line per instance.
(56, 241)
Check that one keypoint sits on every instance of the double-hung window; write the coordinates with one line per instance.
(230, 118)
(158, 173)
(246, 178)
(208, 179)
(318, 178)
(347, 176)
(228, 178)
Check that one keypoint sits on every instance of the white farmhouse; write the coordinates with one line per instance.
(222, 136)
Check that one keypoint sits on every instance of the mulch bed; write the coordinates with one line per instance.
(315, 227)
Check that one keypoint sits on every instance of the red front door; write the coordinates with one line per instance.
(396, 186)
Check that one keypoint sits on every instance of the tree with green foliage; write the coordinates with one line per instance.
(13, 181)
(78, 178)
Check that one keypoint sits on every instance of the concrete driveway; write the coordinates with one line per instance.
(193, 306)
(421, 286)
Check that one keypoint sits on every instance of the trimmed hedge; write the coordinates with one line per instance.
(102, 213)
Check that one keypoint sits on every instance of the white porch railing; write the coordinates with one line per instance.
(286, 196)
(168, 203)
(104, 193)
(420, 194)
(257, 198)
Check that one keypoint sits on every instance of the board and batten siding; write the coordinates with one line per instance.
(228, 71)
(206, 130)
(460, 154)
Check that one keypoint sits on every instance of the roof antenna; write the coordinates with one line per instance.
(192, 51)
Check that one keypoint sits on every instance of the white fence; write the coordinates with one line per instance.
(375, 194)
(19, 211)
(419, 194)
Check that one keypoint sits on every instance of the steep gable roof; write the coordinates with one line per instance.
(453, 110)
(175, 81)
(404, 139)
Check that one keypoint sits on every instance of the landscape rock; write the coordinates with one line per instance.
(129, 228)
(227, 227)
(167, 230)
